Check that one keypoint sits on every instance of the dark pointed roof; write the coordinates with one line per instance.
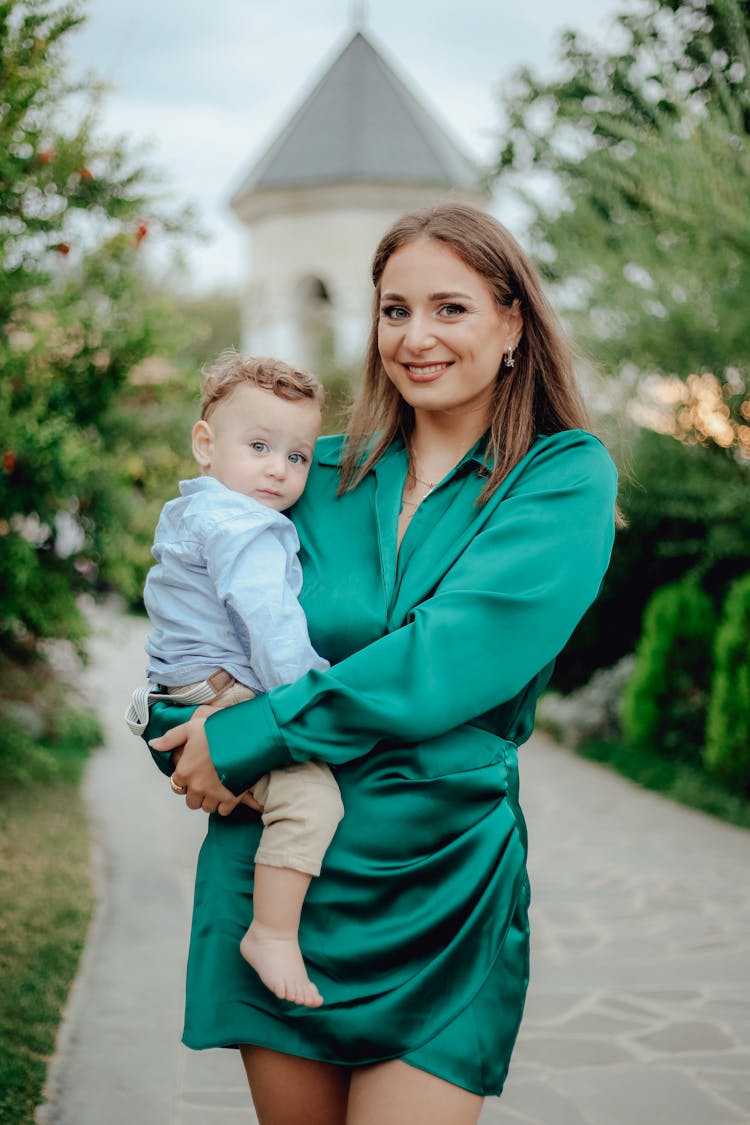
(361, 123)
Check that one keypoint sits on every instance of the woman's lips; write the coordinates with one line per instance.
(425, 372)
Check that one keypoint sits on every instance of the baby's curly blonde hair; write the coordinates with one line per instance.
(230, 369)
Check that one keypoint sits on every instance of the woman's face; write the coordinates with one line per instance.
(441, 334)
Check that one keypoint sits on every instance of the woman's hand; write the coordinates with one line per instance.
(247, 798)
(194, 770)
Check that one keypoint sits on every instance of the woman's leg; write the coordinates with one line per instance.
(288, 1090)
(394, 1093)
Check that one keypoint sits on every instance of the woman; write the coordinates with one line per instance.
(449, 546)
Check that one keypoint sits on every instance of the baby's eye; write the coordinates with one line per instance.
(259, 446)
(298, 458)
(394, 312)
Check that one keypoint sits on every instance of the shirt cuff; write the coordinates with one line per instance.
(245, 743)
(162, 717)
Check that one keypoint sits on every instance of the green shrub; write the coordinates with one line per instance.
(58, 755)
(664, 702)
(727, 752)
(45, 735)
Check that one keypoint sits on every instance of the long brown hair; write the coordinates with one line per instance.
(537, 396)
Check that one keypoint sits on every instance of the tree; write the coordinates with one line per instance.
(634, 163)
(77, 313)
(647, 246)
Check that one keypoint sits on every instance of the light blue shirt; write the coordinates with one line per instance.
(223, 593)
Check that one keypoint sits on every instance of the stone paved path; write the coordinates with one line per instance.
(639, 1007)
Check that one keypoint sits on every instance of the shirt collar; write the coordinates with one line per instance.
(198, 484)
(329, 449)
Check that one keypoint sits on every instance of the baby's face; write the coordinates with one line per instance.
(259, 444)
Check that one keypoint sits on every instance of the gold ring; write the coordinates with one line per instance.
(178, 789)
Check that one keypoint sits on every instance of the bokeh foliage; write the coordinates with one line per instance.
(78, 312)
(633, 164)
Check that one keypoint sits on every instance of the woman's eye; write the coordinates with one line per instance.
(394, 312)
(452, 309)
(258, 446)
(297, 458)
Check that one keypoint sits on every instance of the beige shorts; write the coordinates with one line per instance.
(301, 803)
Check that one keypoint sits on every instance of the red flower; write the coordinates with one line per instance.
(141, 232)
(9, 461)
(62, 248)
(85, 173)
(46, 156)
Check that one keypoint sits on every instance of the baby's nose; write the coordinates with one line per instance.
(277, 466)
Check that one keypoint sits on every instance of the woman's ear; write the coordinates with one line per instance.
(203, 444)
(515, 323)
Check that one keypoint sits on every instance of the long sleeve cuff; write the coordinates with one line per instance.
(245, 742)
(162, 717)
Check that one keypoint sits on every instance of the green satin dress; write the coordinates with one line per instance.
(416, 932)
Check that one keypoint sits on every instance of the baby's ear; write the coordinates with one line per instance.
(203, 444)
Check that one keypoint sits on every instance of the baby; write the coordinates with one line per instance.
(227, 625)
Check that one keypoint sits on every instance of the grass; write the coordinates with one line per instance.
(45, 899)
(680, 782)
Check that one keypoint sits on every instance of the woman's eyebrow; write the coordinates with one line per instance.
(431, 297)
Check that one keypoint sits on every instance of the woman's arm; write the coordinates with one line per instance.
(500, 615)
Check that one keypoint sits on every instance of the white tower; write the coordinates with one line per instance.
(358, 152)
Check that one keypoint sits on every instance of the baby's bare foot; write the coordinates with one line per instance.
(278, 962)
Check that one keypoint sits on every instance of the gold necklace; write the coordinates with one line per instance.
(429, 485)
(415, 503)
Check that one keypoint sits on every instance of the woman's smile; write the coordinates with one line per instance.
(426, 372)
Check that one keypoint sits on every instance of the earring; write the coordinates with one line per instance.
(508, 359)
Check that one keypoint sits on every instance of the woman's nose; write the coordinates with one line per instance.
(419, 333)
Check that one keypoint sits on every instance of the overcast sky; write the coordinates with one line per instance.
(209, 83)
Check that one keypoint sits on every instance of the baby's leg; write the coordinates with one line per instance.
(302, 808)
(271, 944)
